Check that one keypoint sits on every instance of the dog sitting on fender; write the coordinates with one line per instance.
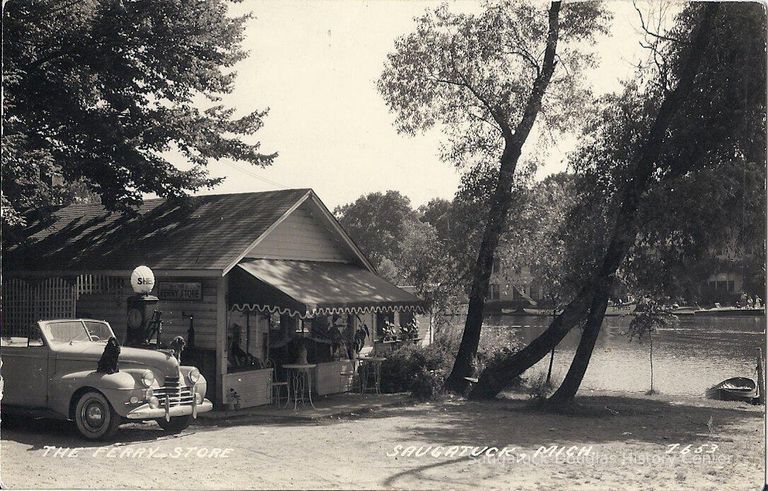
(108, 361)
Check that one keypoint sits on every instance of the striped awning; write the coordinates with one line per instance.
(310, 288)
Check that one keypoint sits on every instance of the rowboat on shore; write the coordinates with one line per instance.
(736, 389)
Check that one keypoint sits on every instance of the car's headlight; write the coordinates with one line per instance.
(194, 375)
(147, 378)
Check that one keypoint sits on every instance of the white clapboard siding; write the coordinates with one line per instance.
(106, 306)
(113, 307)
(302, 236)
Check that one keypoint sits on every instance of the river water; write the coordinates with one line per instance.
(687, 359)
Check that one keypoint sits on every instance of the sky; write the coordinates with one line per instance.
(314, 64)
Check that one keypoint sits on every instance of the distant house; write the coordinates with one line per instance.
(512, 288)
(235, 273)
(733, 269)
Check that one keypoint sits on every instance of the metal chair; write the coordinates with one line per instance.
(276, 386)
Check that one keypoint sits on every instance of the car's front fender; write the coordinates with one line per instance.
(63, 387)
(201, 386)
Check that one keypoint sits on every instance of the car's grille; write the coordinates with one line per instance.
(174, 392)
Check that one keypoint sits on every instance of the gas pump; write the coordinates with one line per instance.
(144, 320)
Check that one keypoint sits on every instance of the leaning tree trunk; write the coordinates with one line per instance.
(589, 301)
(584, 351)
(499, 207)
(495, 378)
(625, 229)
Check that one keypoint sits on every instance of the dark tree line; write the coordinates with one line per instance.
(96, 93)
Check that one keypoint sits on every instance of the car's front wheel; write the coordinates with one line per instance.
(176, 424)
(95, 418)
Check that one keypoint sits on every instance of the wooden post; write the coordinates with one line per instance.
(221, 336)
(551, 360)
(760, 376)
(552, 355)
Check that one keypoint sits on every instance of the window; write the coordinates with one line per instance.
(496, 266)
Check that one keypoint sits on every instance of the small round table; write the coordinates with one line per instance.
(370, 365)
(300, 383)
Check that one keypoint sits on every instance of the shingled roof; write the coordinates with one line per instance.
(198, 233)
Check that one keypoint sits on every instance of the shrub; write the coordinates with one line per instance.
(427, 384)
(413, 365)
(538, 387)
(422, 370)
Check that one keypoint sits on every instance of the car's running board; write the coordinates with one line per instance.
(31, 412)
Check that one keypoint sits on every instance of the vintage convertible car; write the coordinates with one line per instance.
(53, 373)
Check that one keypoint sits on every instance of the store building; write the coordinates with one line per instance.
(246, 279)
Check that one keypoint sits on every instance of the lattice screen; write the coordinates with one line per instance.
(26, 301)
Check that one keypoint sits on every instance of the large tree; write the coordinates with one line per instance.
(376, 222)
(697, 224)
(687, 115)
(97, 92)
(485, 79)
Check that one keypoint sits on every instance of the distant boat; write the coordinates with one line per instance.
(542, 311)
(736, 389)
(685, 310)
(611, 311)
(620, 309)
(513, 311)
(732, 311)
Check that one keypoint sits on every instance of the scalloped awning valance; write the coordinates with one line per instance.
(309, 288)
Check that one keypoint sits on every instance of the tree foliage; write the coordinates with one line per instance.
(642, 144)
(706, 192)
(96, 92)
(471, 74)
(709, 220)
(662, 154)
(547, 239)
(376, 222)
(483, 78)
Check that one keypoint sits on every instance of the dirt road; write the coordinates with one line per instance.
(616, 441)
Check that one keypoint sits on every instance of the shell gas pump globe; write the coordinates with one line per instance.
(142, 280)
(142, 307)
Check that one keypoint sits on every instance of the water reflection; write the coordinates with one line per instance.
(688, 359)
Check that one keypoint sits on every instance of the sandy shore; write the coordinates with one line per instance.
(613, 441)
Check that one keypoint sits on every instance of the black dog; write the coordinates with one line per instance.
(108, 360)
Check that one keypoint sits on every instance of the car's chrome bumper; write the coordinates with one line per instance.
(146, 412)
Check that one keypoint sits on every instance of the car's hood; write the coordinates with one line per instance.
(162, 361)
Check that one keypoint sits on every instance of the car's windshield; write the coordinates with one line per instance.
(72, 331)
